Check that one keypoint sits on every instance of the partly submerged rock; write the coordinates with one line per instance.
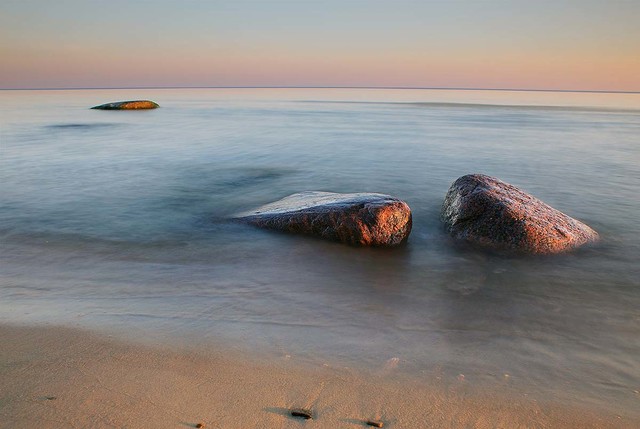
(360, 219)
(486, 211)
(128, 105)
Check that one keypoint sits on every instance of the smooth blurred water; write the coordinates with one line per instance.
(119, 221)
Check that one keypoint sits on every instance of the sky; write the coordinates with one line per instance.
(556, 45)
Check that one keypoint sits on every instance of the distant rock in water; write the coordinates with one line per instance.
(358, 219)
(128, 105)
(488, 212)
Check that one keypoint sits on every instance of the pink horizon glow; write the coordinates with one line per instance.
(297, 45)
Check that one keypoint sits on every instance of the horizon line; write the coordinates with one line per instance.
(596, 91)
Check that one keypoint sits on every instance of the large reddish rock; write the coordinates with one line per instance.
(361, 219)
(128, 105)
(488, 212)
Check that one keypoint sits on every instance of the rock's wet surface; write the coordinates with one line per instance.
(488, 212)
(361, 219)
(128, 105)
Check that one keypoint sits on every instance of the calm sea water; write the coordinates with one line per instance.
(119, 221)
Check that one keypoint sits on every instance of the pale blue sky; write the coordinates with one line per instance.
(591, 45)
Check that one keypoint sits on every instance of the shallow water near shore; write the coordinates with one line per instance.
(119, 221)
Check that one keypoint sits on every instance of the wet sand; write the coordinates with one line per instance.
(54, 377)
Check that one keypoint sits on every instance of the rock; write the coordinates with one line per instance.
(488, 212)
(128, 105)
(358, 219)
(302, 412)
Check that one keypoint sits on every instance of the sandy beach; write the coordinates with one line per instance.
(54, 377)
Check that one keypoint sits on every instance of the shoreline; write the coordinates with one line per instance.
(65, 377)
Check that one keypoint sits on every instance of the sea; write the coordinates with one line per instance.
(120, 222)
